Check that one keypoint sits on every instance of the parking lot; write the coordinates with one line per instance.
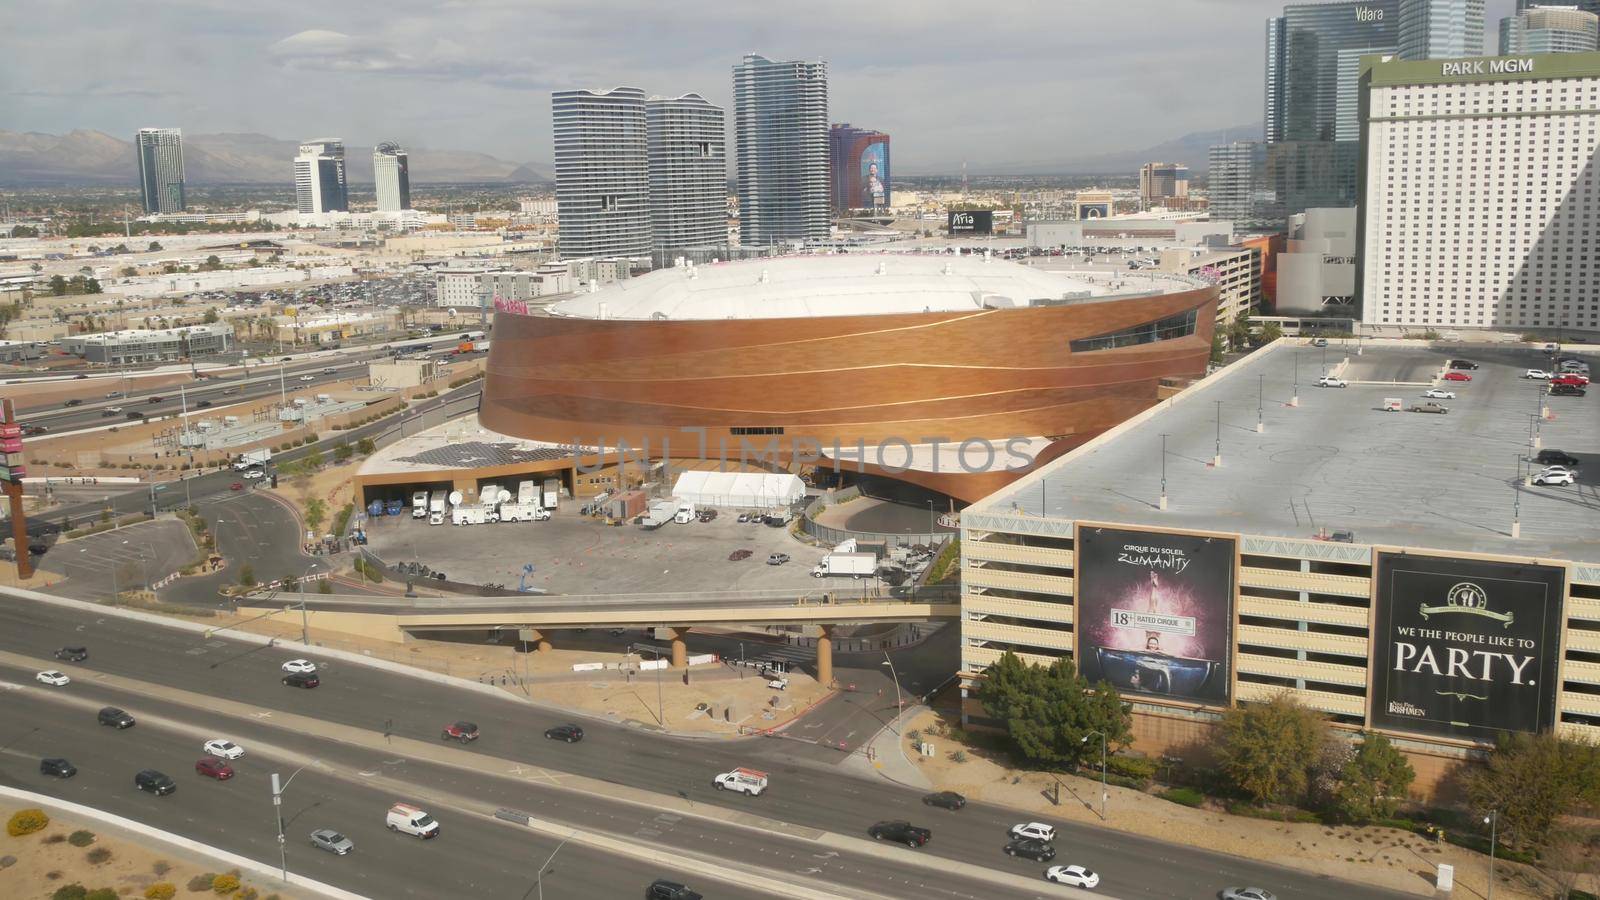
(571, 554)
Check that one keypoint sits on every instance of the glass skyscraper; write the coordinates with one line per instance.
(319, 177)
(688, 164)
(161, 169)
(1441, 29)
(781, 131)
(602, 172)
(391, 172)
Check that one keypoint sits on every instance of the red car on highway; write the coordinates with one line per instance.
(236, 486)
(1457, 376)
(214, 768)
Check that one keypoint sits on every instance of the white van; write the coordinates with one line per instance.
(745, 781)
(411, 820)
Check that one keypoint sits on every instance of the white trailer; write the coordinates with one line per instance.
(660, 513)
(527, 492)
(419, 505)
(552, 492)
(856, 565)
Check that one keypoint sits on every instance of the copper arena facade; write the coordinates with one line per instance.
(881, 355)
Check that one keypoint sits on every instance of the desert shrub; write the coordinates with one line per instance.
(57, 838)
(1137, 769)
(201, 882)
(1183, 796)
(73, 891)
(104, 893)
(99, 855)
(27, 821)
(161, 890)
(225, 884)
(161, 867)
(81, 838)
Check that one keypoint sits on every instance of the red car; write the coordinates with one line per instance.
(1457, 376)
(460, 731)
(236, 486)
(214, 768)
(1571, 378)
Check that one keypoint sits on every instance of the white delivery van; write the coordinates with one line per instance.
(1393, 404)
(745, 781)
(408, 819)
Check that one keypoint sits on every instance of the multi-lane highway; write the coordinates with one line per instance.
(816, 802)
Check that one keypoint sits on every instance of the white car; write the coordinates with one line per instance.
(308, 378)
(223, 749)
(1539, 374)
(1074, 876)
(1437, 394)
(51, 676)
(778, 684)
(253, 474)
(299, 665)
(1036, 830)
(1330, 381)
(1554, 478)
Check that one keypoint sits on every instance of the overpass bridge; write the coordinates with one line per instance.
(396, 619)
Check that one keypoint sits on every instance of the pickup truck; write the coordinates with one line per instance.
(1430, 408)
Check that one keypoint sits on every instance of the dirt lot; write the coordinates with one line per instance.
(46, 861)
(1382, 856)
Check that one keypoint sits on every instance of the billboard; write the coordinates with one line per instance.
(874, 170)
(976, 221)
(1465, 648)
(1155, 612)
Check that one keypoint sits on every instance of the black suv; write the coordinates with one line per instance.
(945, 800)
(154, 782)
(901, 833)
(568, 733)
(1031, 848)
(1566, 390)
(1463, 364)
(1556, 458)
(57, 767)
(116, 718)
(301, 679)
(662, 889)
(73, 654)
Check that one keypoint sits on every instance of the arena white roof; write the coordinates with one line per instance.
(855, 284)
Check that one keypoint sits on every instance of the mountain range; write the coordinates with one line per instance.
(1192, 150)
(87, 157)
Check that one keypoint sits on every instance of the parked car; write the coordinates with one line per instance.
(744, 517)
(569, 733)
(114, 717)
(73, 654)
(1074, 876)
(331, 841)
(223, 749)
(708, 515)
(52, 678)
(1567, 390)
(1430, 408)
(213, 768)
(1031, 848)
(1554, 478)
(1457, 376)
(777, 559)
(1463, 364)
(901, 833)
(1319, 342)
(1037, 830)
(1572, 379)
(1330, 381)
(299, 665)
(1537, 374)
(1437, 394)
(56, 767)
(945, 800)
(301, 679)
(465, 732)
(154, 782)
(1556, 458)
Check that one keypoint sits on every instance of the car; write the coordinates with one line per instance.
(73, 654)
(1037, 830)
(1030, 848)
(1556, 458)
(28, 430)
(1342, 536)
(1330, 381)
(113, 395)
(38, 549)
(1246, 893)
(299, 665)
(1554, 478)
(1457, 376)
(1567, 390)
(1437, 394)
(52, 677)
(157, 783)
(134, 415)
(287, 359)
(112, 410)
(301, 680)
(331, 841)
(465, 732)
(1463, 364)
(901, 833)
(73, 403)
(223, 748)
(213, 768)
(945, 800)
(661, 889)
(236, 486)
(744, 517)
(1074, 876)
(56, 767)
(1430, 407)
(1319, 342)
(253, 474)
(569, 733)
(202, 404)
(114, 717)
(308, 378)
(76, 377)
(777, 559)
(779, 683)
(1537, 374)
(155, 399)
(1571, 379)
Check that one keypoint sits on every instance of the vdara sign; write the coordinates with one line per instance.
(1488, 66)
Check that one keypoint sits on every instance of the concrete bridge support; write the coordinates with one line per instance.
(825, 655)
(680, 653)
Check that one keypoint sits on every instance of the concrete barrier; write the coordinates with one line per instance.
(244, 864)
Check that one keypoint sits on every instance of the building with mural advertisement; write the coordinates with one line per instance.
(859, 168)
(1256, 534)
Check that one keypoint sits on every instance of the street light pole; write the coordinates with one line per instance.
(538, 881)
(1217, 460)
(1103, 791)
(1493, 818)
(277, 808)
(1261, 399)
(1164, 471)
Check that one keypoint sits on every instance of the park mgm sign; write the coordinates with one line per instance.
(1398, 72)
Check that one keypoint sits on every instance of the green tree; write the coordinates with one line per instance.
(342, 451)
(1219, 346)
(247, 575)
(58, 285)
(212, 264)
(92, 286)
(155, 246)
(314, 458)
(1533, 781)
(1239, 332)
(1050, 713)
(1374, 781)
(1270, 331)
(1267, 748)
(24, 231)
(365, 446)
(211, 317)
(316, 511)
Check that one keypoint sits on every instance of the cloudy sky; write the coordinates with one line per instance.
(1001, 83)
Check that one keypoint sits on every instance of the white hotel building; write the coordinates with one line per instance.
(1480, 195)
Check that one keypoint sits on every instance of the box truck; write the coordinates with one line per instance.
(523, 512)
(419, 505)
(552, 492)
(855, 565)
(252, 458)
(476, 514)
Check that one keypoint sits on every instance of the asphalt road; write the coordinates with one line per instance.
(251, 528)
(805, 792)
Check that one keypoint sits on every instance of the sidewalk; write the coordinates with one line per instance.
(888, 754)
